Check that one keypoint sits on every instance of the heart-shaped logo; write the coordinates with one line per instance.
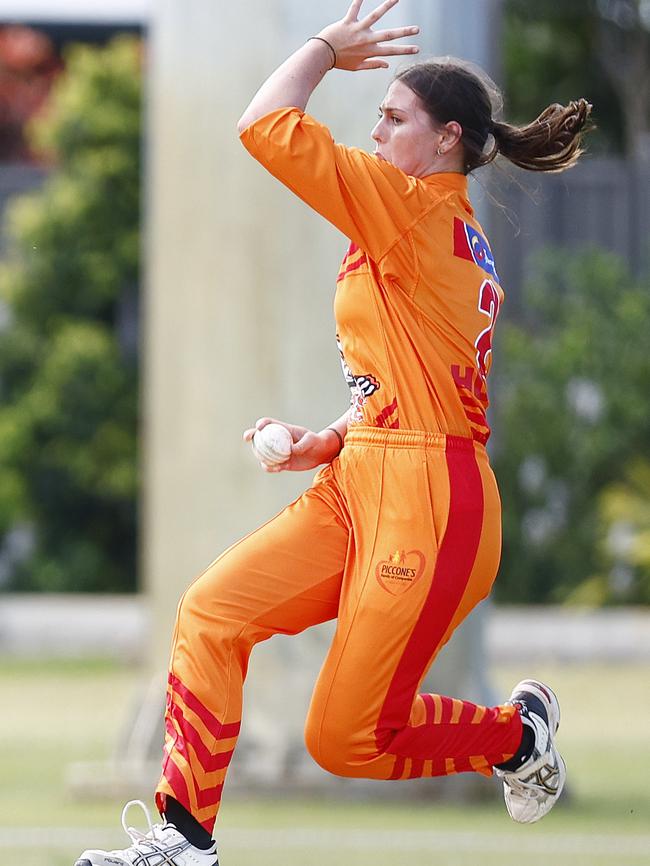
(400, 571)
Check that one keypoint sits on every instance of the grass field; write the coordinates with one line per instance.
(56, 713)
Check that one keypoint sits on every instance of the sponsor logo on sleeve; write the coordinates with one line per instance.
(471, 245)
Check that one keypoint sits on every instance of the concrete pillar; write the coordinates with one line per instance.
(238, 299)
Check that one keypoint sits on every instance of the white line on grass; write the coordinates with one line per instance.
(358, 840)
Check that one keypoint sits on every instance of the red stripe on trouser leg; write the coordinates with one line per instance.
(177, 784)
(210, 763)
(454, 564)
(438, 767)
(468, 713)
(463, 765)
(453, 568)
(451, 740)
(209, 797)
(447, 709)
(218, 729)
(204, 799)
(195, 800)
(498, 733)
(429, 706)
(185, 746)
(398, 769)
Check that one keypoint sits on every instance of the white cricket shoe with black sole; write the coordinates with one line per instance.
(161, 845)
(533, 789)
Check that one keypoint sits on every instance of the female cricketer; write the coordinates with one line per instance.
(399, 537)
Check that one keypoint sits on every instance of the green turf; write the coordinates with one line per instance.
(56, 713)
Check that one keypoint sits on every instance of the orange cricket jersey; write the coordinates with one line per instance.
(417, 293)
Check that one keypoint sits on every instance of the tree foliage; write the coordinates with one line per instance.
(625, 537)
(68, 363)
(597, 49)
(573, 421)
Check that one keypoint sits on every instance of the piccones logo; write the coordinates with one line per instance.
(400, 571)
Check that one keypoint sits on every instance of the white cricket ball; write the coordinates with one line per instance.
(272, 444)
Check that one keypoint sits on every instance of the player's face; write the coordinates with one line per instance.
(405, 134)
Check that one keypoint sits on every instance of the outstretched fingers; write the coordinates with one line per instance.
(358, 46)
(395, 33)
(353, 12)
(372, 64)
(394, 50)
(381, 37)
(378, 13)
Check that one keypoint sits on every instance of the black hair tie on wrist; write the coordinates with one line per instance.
(338, 436)
(331, 48)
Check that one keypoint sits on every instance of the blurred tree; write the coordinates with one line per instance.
(573, 413)
(68, 352)
(625, 533)
(599, 49)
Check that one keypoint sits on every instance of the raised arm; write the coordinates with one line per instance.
(349, 44)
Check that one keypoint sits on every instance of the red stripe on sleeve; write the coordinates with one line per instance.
(362, 260)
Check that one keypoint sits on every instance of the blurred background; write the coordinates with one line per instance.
(159, 292)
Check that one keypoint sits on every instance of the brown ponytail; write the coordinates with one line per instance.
(451, 89)
(552, 142)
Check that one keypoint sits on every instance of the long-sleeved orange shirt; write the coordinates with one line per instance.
(417, 293)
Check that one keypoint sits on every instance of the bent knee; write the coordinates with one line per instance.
(208, 600)
(337, 751)
(194, 600)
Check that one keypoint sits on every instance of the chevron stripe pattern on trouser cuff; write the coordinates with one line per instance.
(198, 750)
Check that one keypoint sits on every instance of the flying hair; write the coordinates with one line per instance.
(452, 89)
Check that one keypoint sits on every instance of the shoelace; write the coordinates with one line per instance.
(526, 791)
(542, 778)
(137, 836)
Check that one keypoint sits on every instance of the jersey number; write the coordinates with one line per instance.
(488, 303)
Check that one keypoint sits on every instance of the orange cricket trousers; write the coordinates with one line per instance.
(399, 538)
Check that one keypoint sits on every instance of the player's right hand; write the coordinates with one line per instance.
(358, 46)
(309, 449)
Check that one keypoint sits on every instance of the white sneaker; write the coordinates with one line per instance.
(532, 790)
(161, 844)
